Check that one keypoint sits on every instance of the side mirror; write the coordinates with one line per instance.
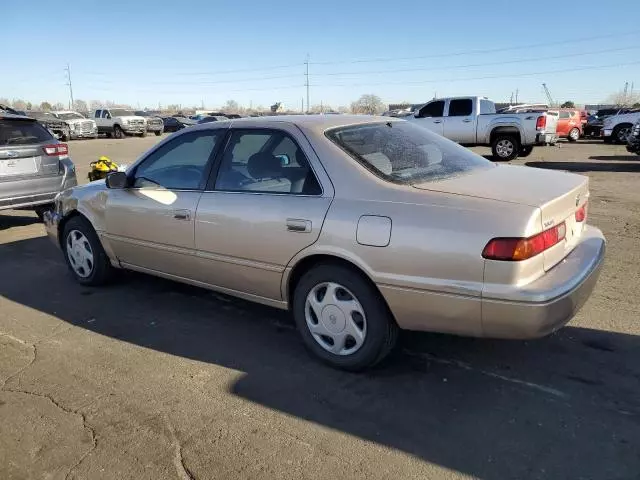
(284, 159)
(116, 180)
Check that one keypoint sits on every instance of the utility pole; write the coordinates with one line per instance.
(68, 70)
(302, 105)
(511, 100)
(307, 80)
(517, 92)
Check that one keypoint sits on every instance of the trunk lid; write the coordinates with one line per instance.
(558, 195)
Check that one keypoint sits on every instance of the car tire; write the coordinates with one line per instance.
(158, 133)
(574, 135)
(360, 310)
(65, 138)
(505, 148)
(525, 151)
(620, 133)
(83, 253)
(118, 132)
(41, 209)
(143, 134)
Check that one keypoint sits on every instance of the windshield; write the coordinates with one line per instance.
(70, 116)
(404, 153)
(118, 112)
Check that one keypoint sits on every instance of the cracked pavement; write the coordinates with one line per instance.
(150, 379)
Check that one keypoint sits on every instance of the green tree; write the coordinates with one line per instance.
(568, 104)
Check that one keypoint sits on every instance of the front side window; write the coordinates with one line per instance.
(179, 164)
(433, 109)
(404, 153)
(265, 161)
(98, 113)
(461, 107)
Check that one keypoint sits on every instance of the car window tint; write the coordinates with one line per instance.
(22, 132)
(433, 109)
(267, 162)
(564, 115)
(179, 164)
(461, 107)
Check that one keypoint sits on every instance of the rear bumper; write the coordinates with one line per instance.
(546, 138)
(31, 192)
(548, 303)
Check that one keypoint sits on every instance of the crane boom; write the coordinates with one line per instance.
(546, 91)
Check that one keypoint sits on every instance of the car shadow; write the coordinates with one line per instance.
(587, 166)
(10, 221)
(618, 158)
(567, 406)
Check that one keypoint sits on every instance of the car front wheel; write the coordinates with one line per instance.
(342, 318)
(84, 254)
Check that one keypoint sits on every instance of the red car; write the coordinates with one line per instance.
(570, 124)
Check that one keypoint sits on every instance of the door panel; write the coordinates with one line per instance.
(431, 116)
(245, 240)
(459, 124)
(153, 228)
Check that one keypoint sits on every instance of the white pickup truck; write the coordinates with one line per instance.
(617, 128)
(118, 122)
(473, 121)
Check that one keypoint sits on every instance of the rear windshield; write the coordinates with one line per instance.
(22, 132)
(401, 152)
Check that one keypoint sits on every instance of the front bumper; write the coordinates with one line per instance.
(51, 220)
(84, 134)
(633, 146)
(606, 132)
(134, 129)
(549, 303)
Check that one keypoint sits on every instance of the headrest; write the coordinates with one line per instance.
(264, 165)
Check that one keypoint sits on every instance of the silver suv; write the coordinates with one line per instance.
(34, 166)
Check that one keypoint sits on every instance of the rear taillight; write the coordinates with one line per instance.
(581, 213)
(541, 122)
(518, 249)
(56, 149)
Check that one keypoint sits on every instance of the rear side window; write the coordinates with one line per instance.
(21, 132)
(487, 107)
(461, 107)
(404, 153)
(565, 114)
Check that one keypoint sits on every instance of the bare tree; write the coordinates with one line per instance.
(623, 98)
(58, 106)
(173, 107)
(80, 106)
(231, 107)
(95, 104)
(4, 101)
(45, 106)
(343, 109)
(368, 104)
(19, 104)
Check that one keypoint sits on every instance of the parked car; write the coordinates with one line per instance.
(616, 129)
(57, 127)
(594, 123)
(633, 140)
(173, 124)
(212, 119)
(34, 165)
(569, 124)
(154, 122)
(473, 121)
(118, 122)
(343, 205)
(79, 126)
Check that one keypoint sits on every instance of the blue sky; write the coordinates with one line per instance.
(187, 52)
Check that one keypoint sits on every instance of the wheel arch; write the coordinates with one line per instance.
(505, 130)
(306, 263)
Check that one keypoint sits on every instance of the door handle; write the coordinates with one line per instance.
(298, 225)
(182, 215)
(466, 120)
(437, 121)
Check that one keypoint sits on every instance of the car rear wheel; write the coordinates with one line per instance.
(143, 134)
(574, 135)
(158, 133)
(84, 254)
(342, 318)
(505, 148)
(118, 132)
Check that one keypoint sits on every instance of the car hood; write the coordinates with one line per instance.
(509, 183)
(78, 120)
(131, 117)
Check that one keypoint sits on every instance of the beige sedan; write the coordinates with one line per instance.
(360, 226)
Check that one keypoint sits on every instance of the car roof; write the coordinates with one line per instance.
(13, 116)
(317, 123)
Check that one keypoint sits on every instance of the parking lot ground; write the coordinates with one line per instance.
(150, 379)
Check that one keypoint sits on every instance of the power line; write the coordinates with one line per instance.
(484, 64)
(458, 79)
(474, 52)
(218, 72)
